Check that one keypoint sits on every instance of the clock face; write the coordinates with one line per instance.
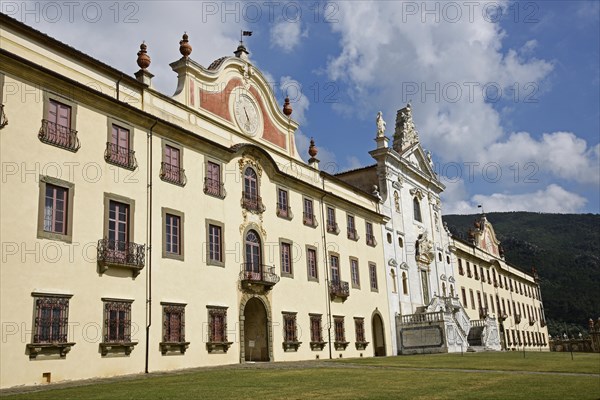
(246, 114)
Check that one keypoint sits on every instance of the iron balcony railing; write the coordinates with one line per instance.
(309, 219)
(339, 289)
(214, 187)
(352, 234)
(118, 253)
(121, 156)
(258, 273)
(332, 227)
(173, 174)
(371, 240)
(59, 136)
(252, 202)
(284, 211)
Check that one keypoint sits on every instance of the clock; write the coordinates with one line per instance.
(246, 114)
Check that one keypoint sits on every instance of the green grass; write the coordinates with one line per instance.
(381, 378)
(506, 361)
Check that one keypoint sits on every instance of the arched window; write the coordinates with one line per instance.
(404, 283)
(417, 210)
(250, 197)
(253, 252)
(451, 290)
(394, 285)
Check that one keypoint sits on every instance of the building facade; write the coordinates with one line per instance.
(164, 232)
(493, 290)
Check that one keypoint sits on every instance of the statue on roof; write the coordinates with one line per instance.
(380, 125)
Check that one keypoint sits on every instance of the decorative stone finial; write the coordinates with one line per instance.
(287, 107)
(312, 149)
(185, 48)
(143, 60)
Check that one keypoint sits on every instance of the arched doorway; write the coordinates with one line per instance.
(378, 335)
(256, 332)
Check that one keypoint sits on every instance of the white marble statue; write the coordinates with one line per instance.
(380, 125)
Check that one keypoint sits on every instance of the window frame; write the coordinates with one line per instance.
(417, 213)
(373, 241)
(351, 227)
(120, 199)
(331, 223)
(50, 346)
(166, 254)
(354, 275)
(167, 344)
(311, 277)
(181, 178)
(283, 243)
(50, 96)
(222, 193)
(70, 187)
(373, 277)
(312, 221)
(212, 344)
(130, 142)
(287, 212)
(290, 331)
(209, 261)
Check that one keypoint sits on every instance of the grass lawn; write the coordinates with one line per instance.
(382, 378)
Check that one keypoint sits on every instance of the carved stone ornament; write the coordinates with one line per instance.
(418, 193)
(405, 134)
(380, 125)
(404, 266)
(424, 249)
(246, 161)
(392, 262)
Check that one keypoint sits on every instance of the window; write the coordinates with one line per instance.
(119, 147)
(340, 333)
(173, 328)
(334, 263)
(332, 226)
(56, 209)
(461, 271)
(464, 297)
(215, 243)
(250, 198)
(373, 277)
(425, 286)
(170, 169)
(400, 242)
(217, 330)
(286, 259)
(51, 323)
(212, 183)
(417, 210)
(309, 216)
(117, 326)
(290, 332)
(117, 248)
(351, 228)
(476, 272)
(469, 270)
(311, 260)
(316, 337)
(173, 234)
(58, 125)
(472, 299)
(369, 234)
(488, 277)
(404, 283)
(482, 274)
(354, 275)
(283, 206)
(394, 283)
(359, 330)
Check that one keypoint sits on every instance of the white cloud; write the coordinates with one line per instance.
(286, 35)
(552, 199)
(442, 67)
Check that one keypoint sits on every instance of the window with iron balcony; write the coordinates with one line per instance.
(170, 168)
(119, 149)
(50, 329)
(290, 332)
(283, 206)
(316, 337)
(332, 226)
(212, 182)
(359, 329)
(58, 127)
(370, 237)
(173, 329)
(351, 228)
(308, 214)
(217, 330)
(117, 327)
(251, 200)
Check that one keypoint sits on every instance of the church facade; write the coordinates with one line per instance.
(161, 232)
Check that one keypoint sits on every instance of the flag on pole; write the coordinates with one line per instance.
(247, 33)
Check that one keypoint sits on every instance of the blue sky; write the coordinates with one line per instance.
(504, 94)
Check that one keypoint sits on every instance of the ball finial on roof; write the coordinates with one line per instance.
(287, 107)
(143, 60)
(185, 48)
(312, 149)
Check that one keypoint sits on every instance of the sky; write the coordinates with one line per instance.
(504, 94)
